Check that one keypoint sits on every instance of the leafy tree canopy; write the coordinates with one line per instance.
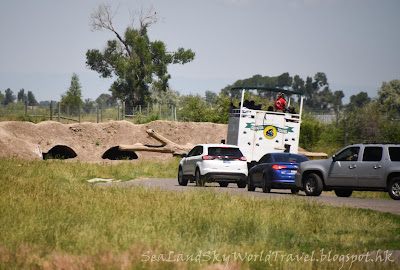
(9, 97)
(317, 94)
(43, 104)
(281, 81)
(88, 106)
(31, 99)
(194, 109)
(73, 97)
(167, 97)
(211, 97)
(389, 96)
(358, 101)
(106, 101)
(1, 98)
(135, 61)
(21, 96)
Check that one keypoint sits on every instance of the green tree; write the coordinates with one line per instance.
(298, 83)
(323, 99)
(364, 124)
(43, 104)
(31, 99)
(21, 96)
(309, 92)
(320, 80)
(281, 81)
(389, 96)
(106, 101)
(211, 97)
(337, 99)
(135, 61)
(358, 101)
(284, 80)
(1, 98)
(72, 99)
(167, 97)
(88, 106)
(194, 109)
(320, 99)
(311, 130)
(220, 111)
(9, 96)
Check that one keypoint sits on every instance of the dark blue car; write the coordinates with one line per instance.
(275, 171)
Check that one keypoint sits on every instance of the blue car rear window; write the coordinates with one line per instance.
(290, 158)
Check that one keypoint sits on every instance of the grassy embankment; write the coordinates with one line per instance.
(51, 218)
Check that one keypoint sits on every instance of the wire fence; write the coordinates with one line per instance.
(137, 114)
(56, 112)
(326, 118)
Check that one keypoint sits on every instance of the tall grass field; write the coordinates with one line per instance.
(52, 218)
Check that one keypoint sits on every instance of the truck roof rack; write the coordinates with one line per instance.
(273, 89)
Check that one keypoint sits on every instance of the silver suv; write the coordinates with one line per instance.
(220, 163)
(374, 167)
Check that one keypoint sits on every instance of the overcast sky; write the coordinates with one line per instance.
(356, 43)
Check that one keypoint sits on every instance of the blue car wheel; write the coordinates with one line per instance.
(265, 187)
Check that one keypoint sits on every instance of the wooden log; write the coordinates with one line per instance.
(167, 145)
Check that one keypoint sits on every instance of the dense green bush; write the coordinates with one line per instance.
(310, 132)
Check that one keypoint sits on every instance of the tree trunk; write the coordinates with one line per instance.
(167, 145)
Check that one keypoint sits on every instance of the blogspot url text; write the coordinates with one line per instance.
(271, 257)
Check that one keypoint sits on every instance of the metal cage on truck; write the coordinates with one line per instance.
(258, 132)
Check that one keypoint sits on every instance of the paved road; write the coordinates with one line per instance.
(390, 206)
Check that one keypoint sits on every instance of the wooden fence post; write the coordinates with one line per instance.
(175, 113)
(51, 110)
(97, 109)
(59, 111)
(123, 110)
(118, 112)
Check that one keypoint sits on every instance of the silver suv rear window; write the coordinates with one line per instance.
(394, 153)
(223, 152)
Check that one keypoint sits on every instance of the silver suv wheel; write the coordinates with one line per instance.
(313, 185)
(394, 188)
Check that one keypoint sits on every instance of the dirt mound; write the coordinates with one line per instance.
(89, 141)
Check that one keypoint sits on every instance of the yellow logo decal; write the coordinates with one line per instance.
(270, 132)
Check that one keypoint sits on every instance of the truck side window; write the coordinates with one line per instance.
(372, 153)
(349, 154)
(394, 153)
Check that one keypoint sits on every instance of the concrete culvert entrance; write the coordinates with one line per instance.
(115, 154)
(60, 152)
